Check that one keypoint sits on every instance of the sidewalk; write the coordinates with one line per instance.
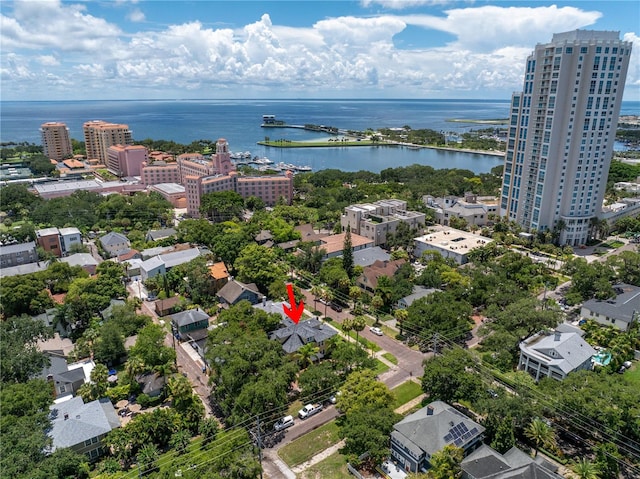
(321, 456)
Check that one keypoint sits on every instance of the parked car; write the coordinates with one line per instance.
(284, 423)
(376, 331)
(335, 306)
(309, 410)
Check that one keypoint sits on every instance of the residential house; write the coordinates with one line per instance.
(555, 354)
(67, 378)
(85, 260)
(82, 427)
(167, 306)
(56, 346)
(449, 242)
(368, 256)
(368, 280)
(115, 243)
(189, 320)
(376, 221)
(292, 336)
(234, 291)
(22, 269)
(218, 271)
(49, 240)
(107, 312)
(69, 237)
(416, 438)
(417, 293)
(152, 267)
(333, 245)
(151, 383)
(264, 238)
(157, 235)
(487, 463)
(620, 311)
(18, 254)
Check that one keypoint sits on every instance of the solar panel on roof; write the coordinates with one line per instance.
(448, 437)
(458, 442)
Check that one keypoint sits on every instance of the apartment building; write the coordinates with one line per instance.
(377, 220)
(474, 210)
(58, 241)
(17, 254)
(100, 135)
(126, 160)
(562, 131)
(160, 172)
(56, 143)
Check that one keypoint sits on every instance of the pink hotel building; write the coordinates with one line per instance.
(200, 176)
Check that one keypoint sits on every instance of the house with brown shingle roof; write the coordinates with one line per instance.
(234, 291)
(368, 280)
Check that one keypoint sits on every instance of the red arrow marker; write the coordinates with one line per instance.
(295, 311)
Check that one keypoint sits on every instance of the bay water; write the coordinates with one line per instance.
(239, 122)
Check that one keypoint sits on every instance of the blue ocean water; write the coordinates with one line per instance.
(239, 122)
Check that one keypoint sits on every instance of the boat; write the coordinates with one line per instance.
(261, 161)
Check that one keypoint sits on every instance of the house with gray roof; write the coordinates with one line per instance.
(234, 291)
(157, 235)
(69, 237)
(67, 378)
(620, 311)
(82, 427)
(416, 438)
(487, 463)
(417, 293)
(368, 256)
(18, 254)
(555, 354)
(190, 320)
(152, 267)
(85, 260)
(115, 243)
(292, 336)
(23, 269)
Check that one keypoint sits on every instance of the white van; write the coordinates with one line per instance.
(282, 424)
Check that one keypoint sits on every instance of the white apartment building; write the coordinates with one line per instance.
(377, 220)
(562, 130)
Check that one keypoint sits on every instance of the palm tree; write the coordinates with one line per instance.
(327, 296)
(585, 469)
(305, 354)
(147, 459)
(354, 294)
(134, 366)
(401, 316)
(316, 291)
(358, 324)
(541, 434)
(347, 325)
(377, 302)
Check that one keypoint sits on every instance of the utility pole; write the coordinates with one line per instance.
(259, 437)
(435, 343)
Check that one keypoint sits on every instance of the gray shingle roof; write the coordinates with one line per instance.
(156, 235)
(620, 308)
(190, 316)
(293, 336)
(231, 291)
(425, 432)
(566, 351)
(17, 248)
(113, 238)
(83, 421)
(485, 463)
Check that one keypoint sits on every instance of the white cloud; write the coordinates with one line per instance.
(48, 60)
(63, 48)
(400, 4)
(136, 15)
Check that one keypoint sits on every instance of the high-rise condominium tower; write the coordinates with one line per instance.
(55, 140)
(561, 134)
(100, 135)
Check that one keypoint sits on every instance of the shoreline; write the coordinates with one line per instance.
(369, 144)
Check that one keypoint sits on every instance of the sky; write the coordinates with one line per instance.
(295, 49)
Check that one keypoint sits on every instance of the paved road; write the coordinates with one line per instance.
(186, 364)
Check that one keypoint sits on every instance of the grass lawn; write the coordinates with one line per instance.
(390, 357)
(405, 393)
(633, 375)
(365, 342)
(294, 408)
(380, 367)
(333, 467)
(307, 446)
